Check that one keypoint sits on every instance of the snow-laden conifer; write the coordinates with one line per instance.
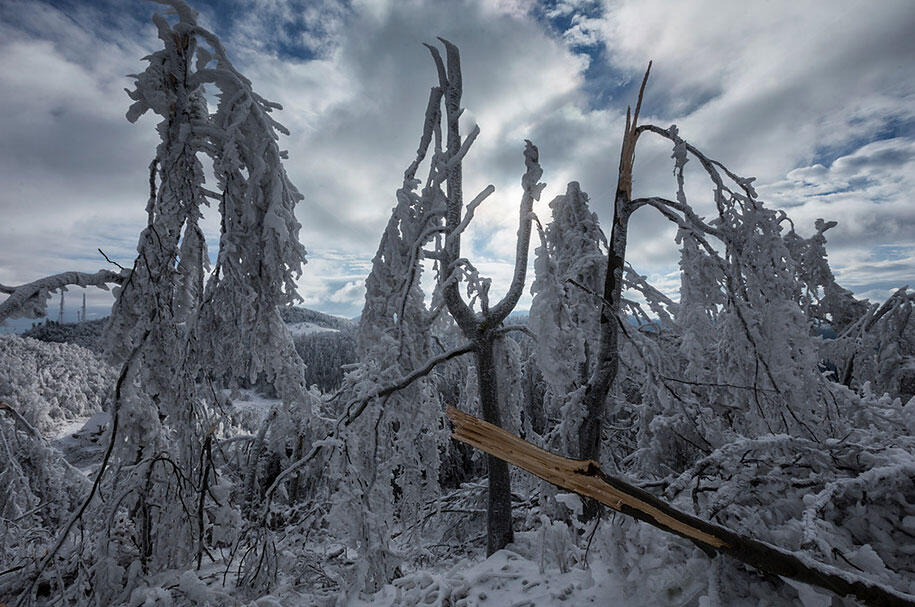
(241, 334)
(569, 269)
(391, 453)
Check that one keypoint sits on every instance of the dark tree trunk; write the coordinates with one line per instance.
(608, 364)
(499, 522)
(608, 355)
(481, 328)
(605, 372)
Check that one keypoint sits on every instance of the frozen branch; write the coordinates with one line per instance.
(695, 221)
(433, 116)
(468, 215)
(31, 300)
(530, 181)
(457, 157)
(711, 166)
(585, 478)
(355, 408)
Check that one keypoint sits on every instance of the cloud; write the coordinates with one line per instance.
(334, 281)
(69, 162)
(358, 114)
(818, 104)
(351, 293)
(868, 192)
(783, 91)
(768, 85)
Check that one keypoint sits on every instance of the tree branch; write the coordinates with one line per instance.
(31, 300)
(585, 478)
(355, 408)
(532, 188)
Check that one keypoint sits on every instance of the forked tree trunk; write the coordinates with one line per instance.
(480, 328)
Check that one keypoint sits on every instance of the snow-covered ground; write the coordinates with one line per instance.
(509, 577)
(81, 441)
(550, 562)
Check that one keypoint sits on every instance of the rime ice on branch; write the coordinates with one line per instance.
(170, 333)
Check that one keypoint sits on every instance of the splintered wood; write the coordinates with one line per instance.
(586, 478)
(582, 477)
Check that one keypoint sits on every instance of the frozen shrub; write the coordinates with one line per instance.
(50, 383)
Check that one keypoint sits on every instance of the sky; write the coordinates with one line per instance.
(814, 99)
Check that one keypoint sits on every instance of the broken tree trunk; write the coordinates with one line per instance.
(585, 478)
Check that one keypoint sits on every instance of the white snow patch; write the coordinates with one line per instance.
(505, 578)
(81, 441)
(66, 428)
(307, 328)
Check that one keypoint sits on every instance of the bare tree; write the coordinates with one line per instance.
(480, 327)
(604, 373)
(749, 235)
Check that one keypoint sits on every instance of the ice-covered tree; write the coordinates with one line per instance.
(160, 290)
(240, 332)
(479, 321)
(156, 414)
(731, 370)
(156, 490)
(391, 454)
(568, 270)
(747, 285)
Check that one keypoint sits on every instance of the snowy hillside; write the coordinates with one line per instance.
(52, 383)
(298, 316)
(87, 334)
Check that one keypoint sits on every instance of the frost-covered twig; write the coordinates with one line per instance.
(354, 409)
(468, 215)
(4, 406)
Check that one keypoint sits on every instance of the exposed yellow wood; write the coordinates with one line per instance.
(580, 476)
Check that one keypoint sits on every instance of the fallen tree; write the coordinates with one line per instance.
(585, 478)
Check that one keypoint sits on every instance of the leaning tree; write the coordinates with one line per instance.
(173, 331)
